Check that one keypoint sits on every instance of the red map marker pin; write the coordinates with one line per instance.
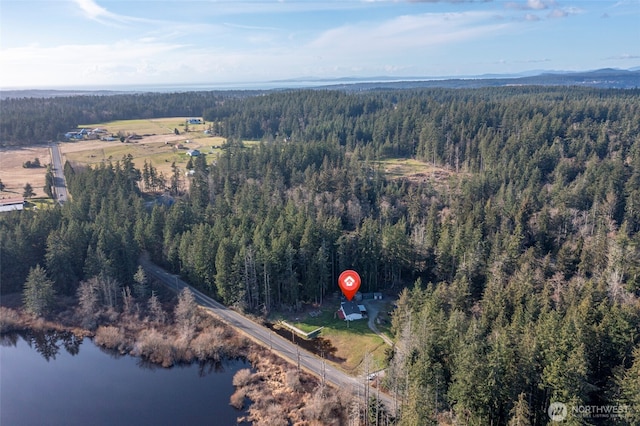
(349, 282)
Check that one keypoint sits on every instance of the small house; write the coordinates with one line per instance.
(74, 135)
(194, 121)
(193, 153)
(349, 311)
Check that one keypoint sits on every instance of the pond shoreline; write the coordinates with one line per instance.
(272, 391)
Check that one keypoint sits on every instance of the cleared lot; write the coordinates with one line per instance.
(14, 176)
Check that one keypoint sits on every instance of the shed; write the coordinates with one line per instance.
(10, 204)
(193, 153)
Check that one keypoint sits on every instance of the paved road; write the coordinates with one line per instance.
(262, 335)
(59, 183)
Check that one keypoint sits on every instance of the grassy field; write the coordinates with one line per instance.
(39, 203)
(14, 176)
(351, 340)
(153, 126)
(159, 144)
(408, 167)
(160, 154)
(156, 146)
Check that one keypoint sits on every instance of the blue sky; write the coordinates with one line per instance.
(99, 43)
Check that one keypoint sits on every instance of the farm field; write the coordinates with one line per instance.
(152, 126)
(158, 145)
(159, 153)
(14, 176)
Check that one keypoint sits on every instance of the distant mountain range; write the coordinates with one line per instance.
(607, 78)
(604, 78)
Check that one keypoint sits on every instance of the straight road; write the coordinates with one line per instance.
(59, 183)
(267, 338)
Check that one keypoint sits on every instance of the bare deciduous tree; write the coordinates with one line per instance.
(156, 313)
(186, 312)
(88, 301)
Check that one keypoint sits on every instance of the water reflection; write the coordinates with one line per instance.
(46, 342)
(101, 387)
(9, 339)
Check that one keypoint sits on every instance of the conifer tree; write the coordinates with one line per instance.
(28, 191)
(38, 294)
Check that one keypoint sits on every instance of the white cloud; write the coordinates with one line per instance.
(82, 64)
(92, 10)
(405, 33)
(558, 13)
(537, 4)
(531, 5)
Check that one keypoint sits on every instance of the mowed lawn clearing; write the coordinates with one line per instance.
(151, 126)
(351, 340)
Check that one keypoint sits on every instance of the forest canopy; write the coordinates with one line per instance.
(518, 274)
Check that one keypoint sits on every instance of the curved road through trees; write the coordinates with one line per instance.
(267, 338)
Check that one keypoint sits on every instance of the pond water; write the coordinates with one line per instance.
(57, 379)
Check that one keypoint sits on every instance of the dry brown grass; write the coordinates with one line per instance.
(237, 399)
(112, 338)
(154, 346)
(280, 394)
(326, 407)
(14, 176)
(10, 320)
(242, 377)
(209, 344)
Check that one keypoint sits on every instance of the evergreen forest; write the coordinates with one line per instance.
(515, 252)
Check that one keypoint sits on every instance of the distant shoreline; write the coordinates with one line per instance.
(603, 78)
